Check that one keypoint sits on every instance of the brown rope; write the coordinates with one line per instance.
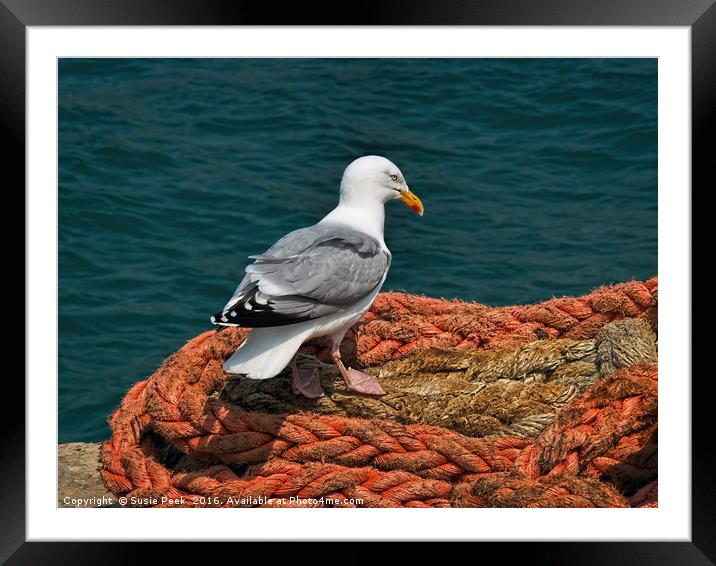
(511, 392)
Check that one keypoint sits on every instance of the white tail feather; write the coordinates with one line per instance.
(266, 351)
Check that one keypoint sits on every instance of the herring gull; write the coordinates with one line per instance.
(318, 281)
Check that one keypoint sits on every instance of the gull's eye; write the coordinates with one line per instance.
(393, 177)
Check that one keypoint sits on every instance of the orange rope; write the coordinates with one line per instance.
(383, 463)
(398, 324)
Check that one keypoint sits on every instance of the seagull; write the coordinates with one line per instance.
(318, 281)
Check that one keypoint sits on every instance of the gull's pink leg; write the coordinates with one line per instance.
(305, 382)
(357, 380)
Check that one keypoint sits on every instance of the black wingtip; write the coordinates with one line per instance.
(246, 312)
(219, 319)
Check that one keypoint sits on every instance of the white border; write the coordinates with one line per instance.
(671, 521)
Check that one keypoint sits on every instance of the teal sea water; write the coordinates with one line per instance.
(539, 179)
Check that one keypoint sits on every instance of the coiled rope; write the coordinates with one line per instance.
(240, 457)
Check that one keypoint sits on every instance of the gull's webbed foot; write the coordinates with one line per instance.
(362, 383)
(306, 382)
(357, 380)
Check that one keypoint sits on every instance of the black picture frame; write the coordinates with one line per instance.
(699, 15)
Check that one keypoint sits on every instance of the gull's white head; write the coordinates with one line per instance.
(373, 178)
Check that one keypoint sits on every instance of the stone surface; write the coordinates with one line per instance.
(79, 484)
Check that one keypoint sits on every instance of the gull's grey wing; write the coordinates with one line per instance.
(307, 274)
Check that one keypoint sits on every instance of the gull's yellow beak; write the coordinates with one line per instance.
(413, 202)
